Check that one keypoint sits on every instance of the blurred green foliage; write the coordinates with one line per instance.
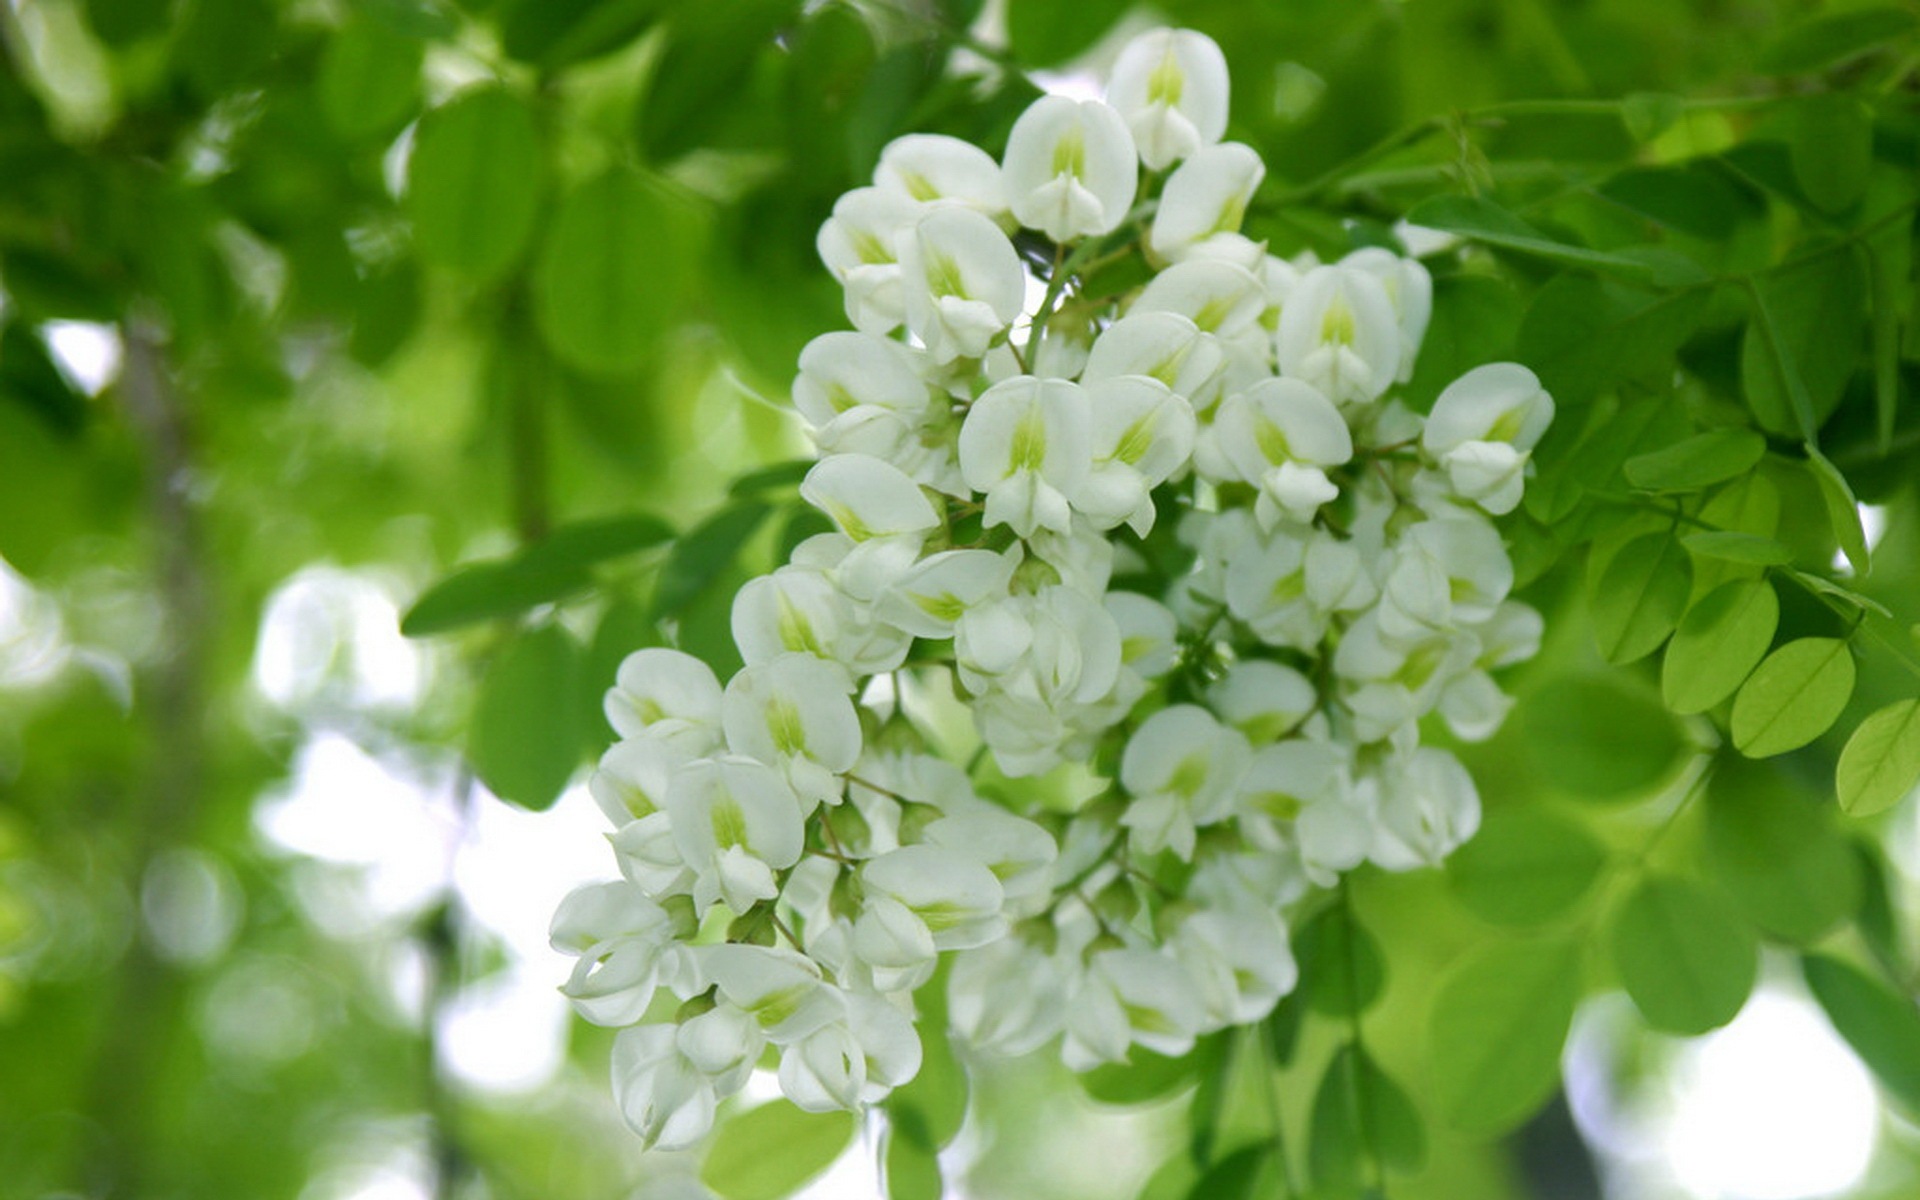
(484, 302)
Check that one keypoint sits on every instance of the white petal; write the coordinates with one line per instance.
(1171, 85)
(1069, 168)
(1207, 196)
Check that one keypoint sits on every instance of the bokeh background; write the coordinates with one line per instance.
(303, 303)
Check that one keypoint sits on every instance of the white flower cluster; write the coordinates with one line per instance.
(999, 440)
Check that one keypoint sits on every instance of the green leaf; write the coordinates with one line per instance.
(1341, 967)
(1596, 738)
(1699, 462)
(1881, 1025)
(1495, 1030)
(614, 271)
(556, 33)
(1582, 336)
(1647, 115)
(1243, 1175)
(1777, 853)
(1359, 1115)
(1684, 955)
(1044, 33)
(1639, 597)
(1889, 263)
(1526, 866)
(1719, 642)
(937, 1095)
(1831, 145)
(1146, 1076)
(487, 591)
(1793, 697)
(1730, 546)
(524, 742)
(705, 71)
(1803, 341)
(369, 80)
(1482, 220)
(1881, 763)
(549, 570)
(913, 1170)
(778, 476)
(707, 550)
(1843, 511)
(1832, 38)
(773, 1150)
(474, 182)
(1475, 320)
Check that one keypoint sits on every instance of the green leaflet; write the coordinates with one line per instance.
(1639, 596)
(525, 738)
(1881, 762)
(773, 1150)
(1718, 644)
(1793, 697)
(1526, 866)
(474, 182)
(1685, 956)
(1495, 1031)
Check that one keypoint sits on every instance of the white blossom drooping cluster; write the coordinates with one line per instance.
(1180, 532)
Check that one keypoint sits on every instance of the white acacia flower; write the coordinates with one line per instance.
(1410, 289)
(1446, 572)
(1482, 429)
(1180, 768)
(1428, 807)
(932, 168)
(961, 281)
(1263, 699)
(795, 610)
(1205, 198)
(624, 945)
(1266, 587)
(1339, 332)
(1164, 346)
(793, 713)
(1219, 297)
(844, 371)
(1389, 683)
(725, 1043)
(649, 856)
(1128, 996)
(1069, 169)
(942, 587)
(664, 1097)
(631, 781)
(1303, 789)
(1056, 645)
(1017, 852)
(854, 1061)
(781, 989)
(953, 894)
(1280, 436)
(867, 497)
(1007, 996)
(735, 822)
(1171, 86)
(1142, 434)
(1027, 444)
(1239, 961)
(858, 245)
(666, 694)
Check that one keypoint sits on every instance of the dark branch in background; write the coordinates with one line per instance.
(143, 1001)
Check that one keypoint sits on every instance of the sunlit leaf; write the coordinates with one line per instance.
(474, 182)
(773, 1150)
(1685, 957)
(1881, 1025)
(1526, 866)
(1495, 1031)
(1718, 644)
(1794, 696)
(524, 741)
(1881, 763)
